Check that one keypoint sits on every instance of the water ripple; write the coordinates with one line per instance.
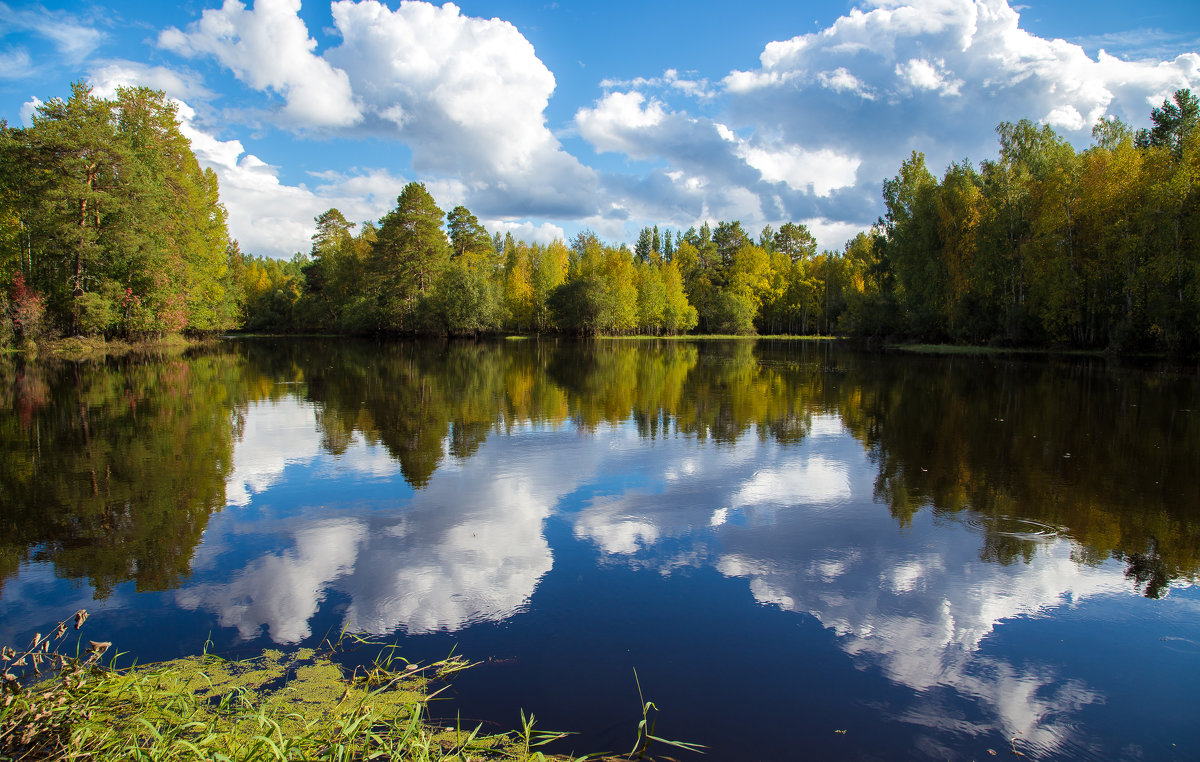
(1015, 526)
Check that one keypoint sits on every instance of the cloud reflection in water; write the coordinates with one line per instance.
(798, 523)
(917, 604)
(467, 548)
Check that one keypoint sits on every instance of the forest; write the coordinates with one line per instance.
(108, 226)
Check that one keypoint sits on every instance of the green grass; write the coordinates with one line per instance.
(689, 337)
(275, 706)
(719, 337)
(77, 348)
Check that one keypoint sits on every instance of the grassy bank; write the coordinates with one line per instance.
(684, 337)
(720, 337)
(273, 707)
(80, 348)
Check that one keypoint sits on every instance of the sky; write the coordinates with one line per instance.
(547, 118)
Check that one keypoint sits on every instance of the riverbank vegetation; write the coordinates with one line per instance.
(276, 706)
(109, 227)
(1041, 246)
(1046, 244)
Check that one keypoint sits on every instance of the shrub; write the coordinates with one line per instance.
(96, 314)
(27, 310)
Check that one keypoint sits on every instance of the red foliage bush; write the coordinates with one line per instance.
(27, 309)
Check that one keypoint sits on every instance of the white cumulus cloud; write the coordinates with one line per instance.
(842, 81)
(827, 115)
(269, 48)
(820, 172)
(619, 121)
(807, 135)
(178, 85)
(972, 53)
(27, 110)
(924, 75)
(466, 95)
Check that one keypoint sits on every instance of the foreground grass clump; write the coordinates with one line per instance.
(76, 348)
(272, 707)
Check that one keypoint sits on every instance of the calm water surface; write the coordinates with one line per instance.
(805, 552)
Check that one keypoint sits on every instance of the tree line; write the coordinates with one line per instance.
(1044, 244)
(109, 226)
(409, 273)
(420, 270)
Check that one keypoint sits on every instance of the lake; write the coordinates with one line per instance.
(805, 551)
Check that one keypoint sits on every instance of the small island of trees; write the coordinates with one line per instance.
(108, 226)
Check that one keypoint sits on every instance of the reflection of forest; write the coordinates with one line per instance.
(111, 471)
(1106, 457)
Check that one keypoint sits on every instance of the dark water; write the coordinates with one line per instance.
(805, 552)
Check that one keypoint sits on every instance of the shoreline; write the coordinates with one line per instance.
(81, 348)
(298, 704)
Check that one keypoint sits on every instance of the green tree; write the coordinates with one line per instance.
(600, 295)
(959, 209)
(913, 247)
(181, 222)
(651, 298)
(108, 214)
(795, 241)
(548, 269)
(272, 289)
(668, 246)
(871, 308)
(466, 301)
(76, 163)
(409, 252)
(1173, 123)
(678, 315)
(469, 240)
(729, 237)
(645, 245)
(333, 272)
(518, 284)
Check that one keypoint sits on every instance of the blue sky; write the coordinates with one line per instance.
(545, 118)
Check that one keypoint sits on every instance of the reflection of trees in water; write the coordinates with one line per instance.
(100, 463)
(420, 400)
(710, 390)
(1107, 457)
(110, 471)
(414, 398)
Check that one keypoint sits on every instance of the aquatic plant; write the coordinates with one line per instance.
(646, 726)
(275, 706)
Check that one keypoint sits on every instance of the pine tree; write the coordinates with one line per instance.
(410, 251)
